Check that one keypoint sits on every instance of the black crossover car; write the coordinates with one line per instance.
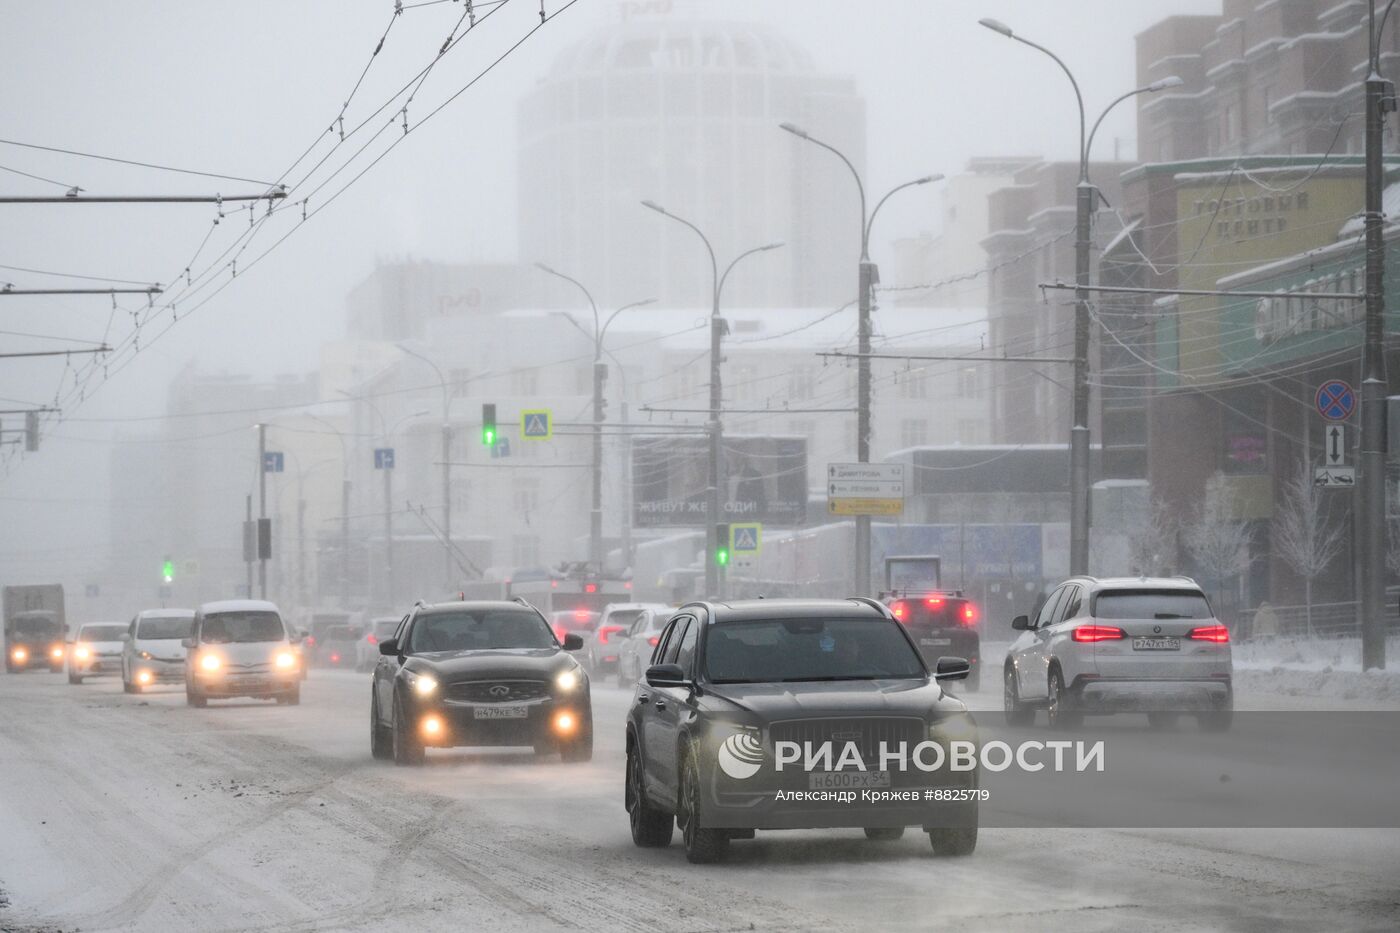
(478, 673)
(790, 714)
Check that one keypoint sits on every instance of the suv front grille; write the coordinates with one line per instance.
(497, 691)
(866, 731)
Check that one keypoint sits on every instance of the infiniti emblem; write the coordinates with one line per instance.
(1156, 630)
(499, 690)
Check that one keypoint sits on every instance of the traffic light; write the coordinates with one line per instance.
(488, 424)
(722, 543)
(167, 570)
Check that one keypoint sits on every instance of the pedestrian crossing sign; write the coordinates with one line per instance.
(537, 425)
(745, 539)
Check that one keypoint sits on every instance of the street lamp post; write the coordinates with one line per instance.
(713, 425)
(867, 279)
(447, 568)
(600, 376)
(1085, 196)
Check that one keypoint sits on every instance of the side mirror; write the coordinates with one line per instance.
(951, 668)
(1021, 623)
(573, 641)
(126, 636)
(187, 642)
(389, 646)
(665, 675)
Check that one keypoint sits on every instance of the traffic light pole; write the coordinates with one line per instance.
(262, 508)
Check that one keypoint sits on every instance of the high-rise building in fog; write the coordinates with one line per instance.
(685, 112)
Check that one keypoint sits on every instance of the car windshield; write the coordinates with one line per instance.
(341, 633)
(658, 621)
(1151, 604)
(230, 628)
(476, 630)
(624, 617)
(36, 626)
(782, 650)
(101, 632)
(159, 628)
(577, 620)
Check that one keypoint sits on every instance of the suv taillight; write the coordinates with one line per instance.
(1216, 633)
(1099, 633)
(654, 640)
(968, 616)
(900, 610)
(605, 631)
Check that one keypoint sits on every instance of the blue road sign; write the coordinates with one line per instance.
(272, 461)
(501, 448)
(745, 538)
(537, 425)
(1336, 400)
(383, 458)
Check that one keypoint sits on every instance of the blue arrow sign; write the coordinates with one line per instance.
(383, 458)
(272, 461)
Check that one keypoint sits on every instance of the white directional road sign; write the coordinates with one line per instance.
(865, 488)
(1334, 447)
(1340, 477)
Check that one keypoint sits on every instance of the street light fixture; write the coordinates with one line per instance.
(868, 277)
(713, 426)
(1085, 196)
(600, 373)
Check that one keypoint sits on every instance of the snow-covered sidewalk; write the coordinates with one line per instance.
(1326, 668)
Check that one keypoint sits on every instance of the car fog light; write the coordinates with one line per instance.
(143, 677)
(431, 726)
(565, 723)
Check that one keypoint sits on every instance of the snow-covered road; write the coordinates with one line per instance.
(122, 812)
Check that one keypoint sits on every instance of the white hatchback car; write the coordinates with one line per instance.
(152, 652)
(241, 648)
(1130, 644)
(97, 650)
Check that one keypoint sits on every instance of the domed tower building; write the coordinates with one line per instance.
(685, 112)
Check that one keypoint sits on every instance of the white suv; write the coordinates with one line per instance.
(1131, 644)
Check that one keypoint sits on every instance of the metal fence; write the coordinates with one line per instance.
(1328, 620)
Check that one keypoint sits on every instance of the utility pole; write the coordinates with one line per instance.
(868, 278)
(248, 553)
(448, 568)
(388, 535)
(1371, 494)
(714, 424)
(1085, 196)
(262, 508)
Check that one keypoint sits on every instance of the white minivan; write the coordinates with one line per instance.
(241, 648)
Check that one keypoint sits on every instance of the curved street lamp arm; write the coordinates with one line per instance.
(860, 186)
(612, 317)
(591, 303)
(1079, 98)
(442, 379)
(714, 263)
(1376, 34)
(870, 224)
(750, 252)
(1089, 144)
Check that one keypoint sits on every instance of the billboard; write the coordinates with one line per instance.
(765, 480)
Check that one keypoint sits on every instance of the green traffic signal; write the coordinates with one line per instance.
(722, 543)
(722, 555)
(167, 571)
(488, 424)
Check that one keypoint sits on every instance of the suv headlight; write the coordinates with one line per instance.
(423, 684)
(958, 727)
(285, 660)
(568, 681)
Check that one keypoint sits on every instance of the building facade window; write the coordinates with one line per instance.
(912, 383)
(459, 382)
(802, 384)
(525, 382)
(913, 432)
(969, 386)
(525, 495)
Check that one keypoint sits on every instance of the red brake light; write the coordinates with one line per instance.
(580, 614)
(371, 639)
(934, 601)
(1216, 633)
(1099, 633)
(590, 587)
(605, 631)
(654, 640)
(335, 658)
(900, 610)
(969, 614)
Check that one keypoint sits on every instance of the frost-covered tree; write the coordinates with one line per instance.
(1216, 539)
(1152, 540)
(1303, 537)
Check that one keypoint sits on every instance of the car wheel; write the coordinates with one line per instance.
(407, 749)
(197, 700)
(291, 698)
(1061, 712)
(74, 678)
(1016, 714)
(381, 741)
(949, 841)
(884, 834)
(651, 828)
(1160, 720)
(579, 748)
(702, 845)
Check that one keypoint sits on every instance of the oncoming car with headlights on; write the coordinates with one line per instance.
(734, 689)
(240, 648)
(153, 651)
(97, 650)
(479, 673)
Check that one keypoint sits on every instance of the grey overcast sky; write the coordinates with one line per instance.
(244, 88)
